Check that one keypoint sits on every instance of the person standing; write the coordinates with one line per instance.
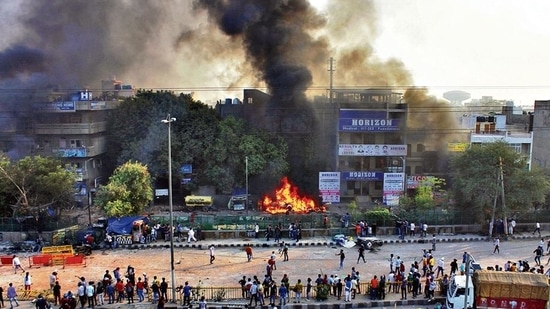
(90, 294)
(440, 266)
(342, 258)
(347, 289)
(248, 251)
(164, 289)
(298, 289)
(433, 242)
(538, 255)
(17, 264)
(361, 254)
(285, 252)
(56, 293)
(186, 291)
(12, 295)
(496, 243)
(283, 292)
(28, 283)
(140, 288)
(212, 257)
(256, 230)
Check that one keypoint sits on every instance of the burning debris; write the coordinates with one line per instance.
(287, 199)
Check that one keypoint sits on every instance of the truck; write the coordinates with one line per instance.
(499, 289)
(199, 202)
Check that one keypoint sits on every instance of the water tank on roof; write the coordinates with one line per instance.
(228, 101)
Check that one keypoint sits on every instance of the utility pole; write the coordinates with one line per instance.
(500, 187)
(502, 196)
(331, 70)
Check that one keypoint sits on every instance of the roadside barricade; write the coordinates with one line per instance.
(6, 260)
(40, 260)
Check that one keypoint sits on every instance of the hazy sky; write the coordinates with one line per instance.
(498, 48)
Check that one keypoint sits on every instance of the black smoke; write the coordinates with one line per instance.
(20, 59)
(275, 37)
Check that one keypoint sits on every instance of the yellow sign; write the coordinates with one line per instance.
(457, 147)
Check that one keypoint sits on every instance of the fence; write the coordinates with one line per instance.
(217, 294)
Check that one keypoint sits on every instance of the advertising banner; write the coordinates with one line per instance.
(393, 188)
(457, 147)
(357, 120)
(371, 150)
(414, 181)
(66, 106)
(329, 186)
(363, 176)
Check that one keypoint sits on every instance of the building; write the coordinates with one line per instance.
(541, 134)
(372, 146)
(514, 130)
(75, 129)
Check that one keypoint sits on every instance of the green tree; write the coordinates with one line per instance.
(226, 156)
(128, 191)
(137, 132)
(476, 181)
(32, 185)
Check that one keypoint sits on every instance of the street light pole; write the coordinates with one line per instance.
(168, 121)
(246, 172)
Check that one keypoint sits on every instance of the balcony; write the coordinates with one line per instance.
(70, 128)
(78, 152)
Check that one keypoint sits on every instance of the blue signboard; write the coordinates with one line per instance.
(66, 106)
(357, 120)
(363, 176)
(187, 169)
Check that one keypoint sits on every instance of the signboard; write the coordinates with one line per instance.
(457, 147)
(187, 169)
(357, 120)
(329, 186)
(97, 105)
(363, 176)
(370, 150)
(71, 152)
(66, 106)
(393, 188)
(414, 181)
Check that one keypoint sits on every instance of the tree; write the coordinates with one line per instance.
(33, 185)
(226, 156)
(138, 134)
(128, 191)
(476, 181)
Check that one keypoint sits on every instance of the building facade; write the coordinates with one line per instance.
(75, 130)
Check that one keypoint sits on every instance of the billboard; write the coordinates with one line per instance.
(329, 186)
(363, 176)
(414, 181)
(457, 147)
(358, 120)
(371, 150)
(393, 188)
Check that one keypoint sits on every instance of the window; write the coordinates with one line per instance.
(76, 143)
(420, 148)
(418, 170)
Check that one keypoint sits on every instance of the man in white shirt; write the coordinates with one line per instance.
(537, 229)
(17, 264)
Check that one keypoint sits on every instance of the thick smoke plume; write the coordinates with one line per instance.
(213, 48)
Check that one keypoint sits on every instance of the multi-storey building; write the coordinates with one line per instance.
(541, 134)
(75, 129)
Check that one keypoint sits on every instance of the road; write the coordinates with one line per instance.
(192, 264)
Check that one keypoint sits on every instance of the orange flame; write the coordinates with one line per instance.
(288, 200)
